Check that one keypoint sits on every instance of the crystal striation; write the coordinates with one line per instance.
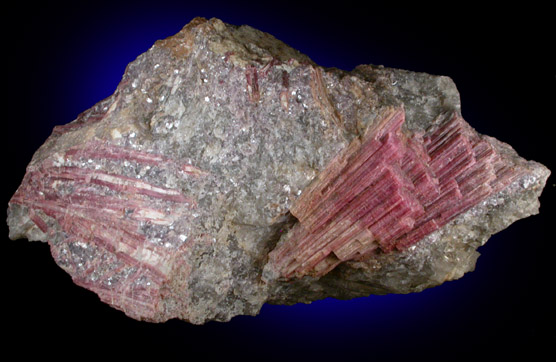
(388, 191)
(228, 170)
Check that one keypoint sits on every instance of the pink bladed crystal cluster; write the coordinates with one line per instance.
(386, 191)
(101, 214)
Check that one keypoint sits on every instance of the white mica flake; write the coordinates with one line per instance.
(156, 66)
(115, 133)
(207, 99)
(287, 188)
(149, 100)
(528, 181)
(183, 237)
(58, 160)
(176, 71)
(81, 244)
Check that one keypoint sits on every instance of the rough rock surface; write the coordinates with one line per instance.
(167, 197)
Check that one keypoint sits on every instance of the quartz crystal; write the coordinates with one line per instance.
(228, 170)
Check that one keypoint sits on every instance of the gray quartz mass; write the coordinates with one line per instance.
(259, 121)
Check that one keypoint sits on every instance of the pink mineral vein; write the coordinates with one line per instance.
(94, 209)
(386, 191)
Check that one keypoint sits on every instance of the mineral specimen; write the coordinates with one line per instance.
(228, 170)
(388, 191)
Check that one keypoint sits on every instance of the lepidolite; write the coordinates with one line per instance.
(229, 170)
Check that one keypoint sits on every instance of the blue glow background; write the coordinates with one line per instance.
(61, 60)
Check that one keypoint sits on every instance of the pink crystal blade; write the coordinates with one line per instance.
(93, 210)
(388, 191)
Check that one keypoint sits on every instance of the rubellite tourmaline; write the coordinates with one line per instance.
(107, 217)
(229, 170)
(387, 191)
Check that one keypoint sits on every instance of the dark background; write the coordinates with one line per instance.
(61, 59)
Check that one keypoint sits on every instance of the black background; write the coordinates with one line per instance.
(61, 59)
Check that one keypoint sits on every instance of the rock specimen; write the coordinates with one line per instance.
(228, 170)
